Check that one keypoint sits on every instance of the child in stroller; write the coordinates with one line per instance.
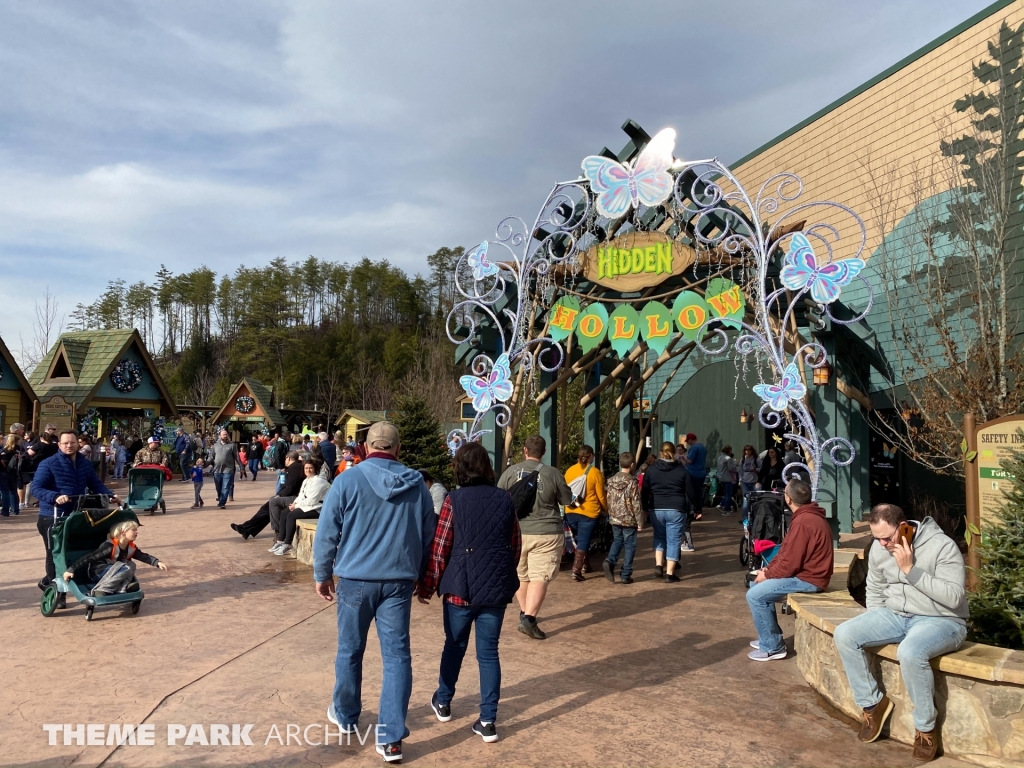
(111, 564)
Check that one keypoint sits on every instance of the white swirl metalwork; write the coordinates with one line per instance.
(742, 229)
(531, 253)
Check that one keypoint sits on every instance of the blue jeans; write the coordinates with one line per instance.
(582, 528)
(8, 496)
(748, 488)
(254, 467)
(920, 639)
(762, 598)
(388, 603)
(727, 494)
(458, 620)
(623, 539)
(185, 461)
(667, 525)
(221, 481)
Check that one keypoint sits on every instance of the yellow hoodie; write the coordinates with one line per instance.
(594, 502)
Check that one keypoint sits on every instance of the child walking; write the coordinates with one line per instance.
(626, 515)
(243, 457)
(196, 474)
(112, 564)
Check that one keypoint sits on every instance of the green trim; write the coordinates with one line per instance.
(975, 19)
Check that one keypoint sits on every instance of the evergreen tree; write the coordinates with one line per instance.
(423, 445)
(997, 605)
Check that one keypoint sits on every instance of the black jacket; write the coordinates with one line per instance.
(769, 474)
(293, 477)
(664, 486)
(96, 562)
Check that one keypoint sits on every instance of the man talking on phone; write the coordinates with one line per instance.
(915, 597)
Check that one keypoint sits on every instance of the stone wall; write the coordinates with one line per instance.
(980, 719)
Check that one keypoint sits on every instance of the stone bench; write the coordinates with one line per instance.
(305, 530)
(979, 690)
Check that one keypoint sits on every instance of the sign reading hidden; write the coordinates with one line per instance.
(996, 440)
(655, 323)
(636, 260)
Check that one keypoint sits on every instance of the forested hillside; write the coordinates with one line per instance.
(321, 333)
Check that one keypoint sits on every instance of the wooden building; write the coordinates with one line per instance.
(16, 394)
(248, 410)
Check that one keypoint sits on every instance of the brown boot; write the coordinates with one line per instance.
(926, 745)
(577, 566)
(586, 562)
(874, 719)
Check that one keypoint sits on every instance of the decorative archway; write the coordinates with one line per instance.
(637, 229)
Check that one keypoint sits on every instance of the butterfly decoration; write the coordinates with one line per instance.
(495, 387)
(477, 260)
(800, 269)
(779, 395)
(621, 185)
(889, 451)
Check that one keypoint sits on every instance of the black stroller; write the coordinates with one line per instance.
(764, 529)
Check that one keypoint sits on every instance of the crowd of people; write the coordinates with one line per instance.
(388, 533)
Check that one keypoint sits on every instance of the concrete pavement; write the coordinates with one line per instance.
(649, 674)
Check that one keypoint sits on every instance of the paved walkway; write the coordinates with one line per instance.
(650, 674)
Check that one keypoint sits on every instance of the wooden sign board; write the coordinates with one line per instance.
(636, 260)
(57, 411)
(996, 440)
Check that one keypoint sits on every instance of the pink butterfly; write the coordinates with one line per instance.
(619, 186)
(800, 269)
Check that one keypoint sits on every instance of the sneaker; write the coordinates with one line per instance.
(760, 655)
(443, 711)
(276, 546)
(926, 746)
(659, 571)
(626, 580)
(485, 731)
(609, 570)
(530, 629)
(686, 548)
(284, 549)
(755, 644)
(671, 578)
(392, 752)
(874, 719)
(334, 719)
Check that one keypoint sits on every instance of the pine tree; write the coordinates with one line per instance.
(997, 605)
(423, 445)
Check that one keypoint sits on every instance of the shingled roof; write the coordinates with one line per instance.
(90, 356)
(264, 397)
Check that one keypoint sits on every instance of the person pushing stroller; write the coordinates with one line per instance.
(111, 565)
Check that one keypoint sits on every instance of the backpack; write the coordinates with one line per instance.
(578, 487)
(524, 493)
(277, 455)
(857, 577)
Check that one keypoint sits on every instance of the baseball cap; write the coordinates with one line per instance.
(382, 436)
(154, 439)
(690, 436)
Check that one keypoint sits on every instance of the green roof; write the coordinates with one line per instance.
(941, 40)
(91, 355)
(264, 397)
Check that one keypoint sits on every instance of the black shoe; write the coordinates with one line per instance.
(392, 752)
(220, 506)
(133, 587)
(659, 571)
(486, 732)
(238, 529)
(62, 599)
(443, 711)
(609, 570)
(626, 580)
(671, 578)
(43, 583)
(530, 629)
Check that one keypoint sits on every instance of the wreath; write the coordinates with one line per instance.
(245, 404)
(126, 376)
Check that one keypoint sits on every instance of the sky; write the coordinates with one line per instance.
(135, 134)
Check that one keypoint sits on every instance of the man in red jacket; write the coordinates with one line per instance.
(803, 564)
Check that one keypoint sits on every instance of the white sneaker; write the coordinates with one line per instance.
(755, 644)
(762, 656)
(277, 545)
(284, 549)
(344, 728)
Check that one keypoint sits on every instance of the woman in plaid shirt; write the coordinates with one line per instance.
(472, 566)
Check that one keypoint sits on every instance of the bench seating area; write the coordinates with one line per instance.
(305, 530)
(979, 690)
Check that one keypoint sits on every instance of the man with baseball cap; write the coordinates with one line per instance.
(151, 454)
(374, 535)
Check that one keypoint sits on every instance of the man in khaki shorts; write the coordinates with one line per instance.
(543, 539)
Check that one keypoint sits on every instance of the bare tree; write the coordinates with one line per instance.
(951, 270)
(46, 330)
(330, 391)
(201, 390)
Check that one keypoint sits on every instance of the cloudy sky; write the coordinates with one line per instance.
(189, 133)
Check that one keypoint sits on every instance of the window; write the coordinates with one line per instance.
(468, 413)
(668, 432)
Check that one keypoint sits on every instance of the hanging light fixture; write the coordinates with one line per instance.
(746, 417)
(822, 374)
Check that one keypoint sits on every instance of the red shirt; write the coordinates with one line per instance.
(441, 551)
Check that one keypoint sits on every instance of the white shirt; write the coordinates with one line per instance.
(312, 493)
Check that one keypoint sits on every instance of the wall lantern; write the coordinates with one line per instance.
(747, 417)
(822, 375)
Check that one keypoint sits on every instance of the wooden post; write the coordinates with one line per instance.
(973, 502)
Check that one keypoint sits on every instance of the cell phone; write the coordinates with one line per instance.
(905, 531)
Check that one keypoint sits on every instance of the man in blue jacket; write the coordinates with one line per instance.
(374, 534)
(58, 480)
(183, 447)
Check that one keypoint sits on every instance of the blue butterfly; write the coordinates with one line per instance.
(495, 387)
(477, 260)
(779, 395)
(619, 186)
(801, 269)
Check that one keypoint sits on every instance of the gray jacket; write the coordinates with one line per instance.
(935, 584)
(546, 518)
(225, 457)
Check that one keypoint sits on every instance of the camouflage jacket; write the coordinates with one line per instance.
(623, 495)
(150, 456)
